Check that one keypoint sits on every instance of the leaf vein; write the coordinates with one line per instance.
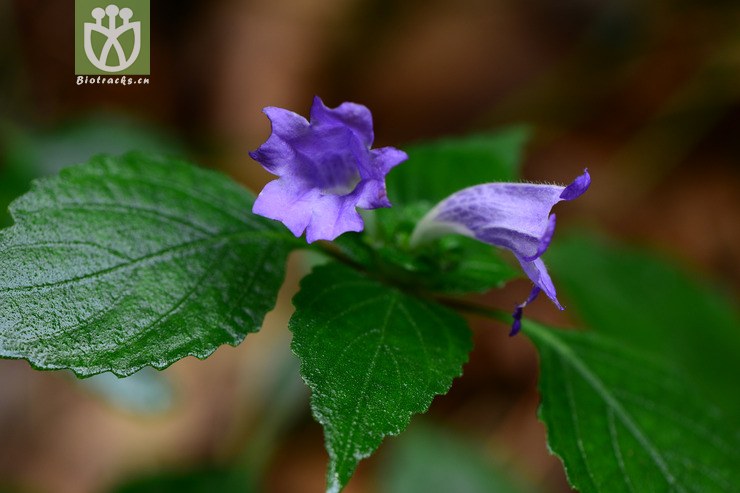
(183, 248)
(617, 449)
(247, 289)
(61, 244)
(424, 349)
(365, 383)
(123, 209)
(212, 199)
(207, 275)
(576, 427)
(690, 426)
(595, 382)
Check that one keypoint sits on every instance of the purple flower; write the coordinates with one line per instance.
(326, 169)
(515, 216)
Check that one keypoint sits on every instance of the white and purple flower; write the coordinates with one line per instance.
(514, 216)
(326, 169)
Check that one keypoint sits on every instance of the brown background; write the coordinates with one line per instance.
(646, 94)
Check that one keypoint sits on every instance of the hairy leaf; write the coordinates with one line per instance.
(624, 423)
(372, 356)
(125, 262)
(653, 305)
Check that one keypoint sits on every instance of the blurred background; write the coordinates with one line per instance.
(644, 94)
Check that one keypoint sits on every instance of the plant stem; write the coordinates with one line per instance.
(475, 308)
(459, 304)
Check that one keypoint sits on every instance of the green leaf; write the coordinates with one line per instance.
(429, 460)
(624, 422)
(437, 169)
(454, 264)
(372, 356)
(655, 306)
(133, 261)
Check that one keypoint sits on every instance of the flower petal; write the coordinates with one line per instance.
(537, 273)
(331, 216)
(287, 202)
(578, 187)
(285, 123)
(324, 157)
(326, 170)
(509, 215)
(516, 325)
(544, 240)
(277, 155)
(386, 158)
(355, 116)
(512, 216)
(371, 194)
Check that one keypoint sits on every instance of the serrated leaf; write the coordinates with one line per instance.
(624, 423)
(132, 261)
(656, 306)
(440, 168)
(373, 356)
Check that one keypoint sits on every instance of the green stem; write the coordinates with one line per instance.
(463, 305)
(471, 307)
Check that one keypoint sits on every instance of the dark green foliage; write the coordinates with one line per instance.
(372, 356)
(622, 422)
(656, 307)
(134, 261)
